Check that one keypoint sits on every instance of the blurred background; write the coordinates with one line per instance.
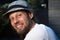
(46, 11)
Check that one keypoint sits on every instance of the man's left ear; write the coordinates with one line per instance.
(31, 15)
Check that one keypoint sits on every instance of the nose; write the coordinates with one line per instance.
(16, 21)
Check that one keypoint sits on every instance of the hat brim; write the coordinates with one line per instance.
(16, 9)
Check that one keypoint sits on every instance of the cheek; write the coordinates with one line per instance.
(13, 25)
(24, 20)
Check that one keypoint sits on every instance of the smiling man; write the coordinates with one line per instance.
(21, 21)
(21, 18)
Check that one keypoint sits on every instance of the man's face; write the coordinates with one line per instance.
(20, 21)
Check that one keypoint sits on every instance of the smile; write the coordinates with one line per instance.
(19, 27)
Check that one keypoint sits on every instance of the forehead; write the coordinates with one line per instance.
(17, 12)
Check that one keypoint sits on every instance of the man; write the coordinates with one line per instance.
(21, 18)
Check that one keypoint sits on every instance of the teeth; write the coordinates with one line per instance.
(19, 26)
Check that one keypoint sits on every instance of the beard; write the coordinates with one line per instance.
(27, 28)
(23, 33)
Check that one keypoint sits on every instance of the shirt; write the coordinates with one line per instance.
(41, 32)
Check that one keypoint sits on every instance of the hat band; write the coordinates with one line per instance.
(16, 6)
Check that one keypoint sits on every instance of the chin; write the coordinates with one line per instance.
(20, 32)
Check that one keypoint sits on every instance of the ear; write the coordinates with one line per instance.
(31, 15)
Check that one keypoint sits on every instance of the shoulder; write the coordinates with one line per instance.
(37, 33)
(48, 32)
(42, 26)
(47, 29)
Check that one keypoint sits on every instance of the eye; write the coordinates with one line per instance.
(11, 19)
(20, 15)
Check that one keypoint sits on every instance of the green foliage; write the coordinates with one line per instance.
(32, 3)
(36, 3)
